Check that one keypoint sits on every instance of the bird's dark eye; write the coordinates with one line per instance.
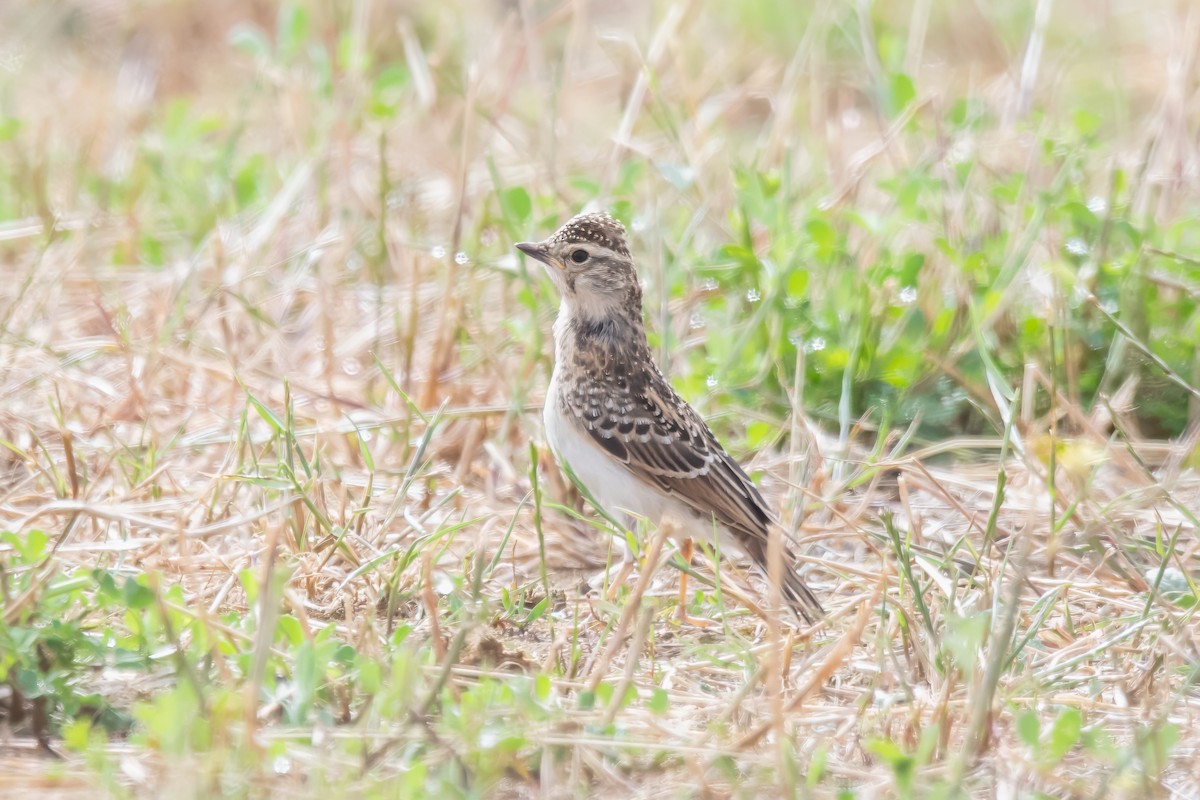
(579, 256)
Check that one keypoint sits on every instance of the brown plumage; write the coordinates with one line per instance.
(612, 415)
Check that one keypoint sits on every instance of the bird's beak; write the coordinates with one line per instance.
(538, 251)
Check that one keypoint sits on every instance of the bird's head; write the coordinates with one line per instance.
(588, 259)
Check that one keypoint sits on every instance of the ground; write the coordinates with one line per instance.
(277, 516)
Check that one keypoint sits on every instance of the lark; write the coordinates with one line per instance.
(613, 418)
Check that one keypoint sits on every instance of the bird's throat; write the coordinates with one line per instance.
(589, 341)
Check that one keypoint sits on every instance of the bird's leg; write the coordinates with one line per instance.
(685, 550)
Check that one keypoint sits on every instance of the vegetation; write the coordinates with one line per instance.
(276, 513)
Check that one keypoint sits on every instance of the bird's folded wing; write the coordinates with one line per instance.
(664, 441)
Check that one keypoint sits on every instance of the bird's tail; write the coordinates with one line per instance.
(796, 593)
(800, 598)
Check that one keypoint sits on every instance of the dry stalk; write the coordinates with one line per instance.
(430, 602)
(631, 662)
(617, 637)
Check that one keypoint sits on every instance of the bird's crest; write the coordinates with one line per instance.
(596, 227)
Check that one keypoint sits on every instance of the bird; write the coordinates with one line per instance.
(615, 421)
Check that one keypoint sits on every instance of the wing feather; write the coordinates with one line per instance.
(662, 439)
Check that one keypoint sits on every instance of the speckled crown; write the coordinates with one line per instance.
(598, 228)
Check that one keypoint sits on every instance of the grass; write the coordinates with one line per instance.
(276, 514)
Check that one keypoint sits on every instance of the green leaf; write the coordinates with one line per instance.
(249, 580)
(660, 701)
(1063, 736)
(305, 675)
(370, 676)
(744, 257)
(527, 298)
(364, 451)
(137, 595)
(152, 250)
(816, 765)
(1086, 122)
(910, 268)
(758, 434)
(31, 548)
(387, 91)
(516, 203)
(35, 545)
(899, 93)
(245, 182)
(75, 734)
(797, 284)
(9, 128)
(823, 236)
(967, 113)
(289, 629)
(268, 416)
(887, 750)
(541, 686)
(1029, 728)
(400, 635)
(538, 611)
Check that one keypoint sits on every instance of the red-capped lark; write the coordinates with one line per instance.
(613, 418)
